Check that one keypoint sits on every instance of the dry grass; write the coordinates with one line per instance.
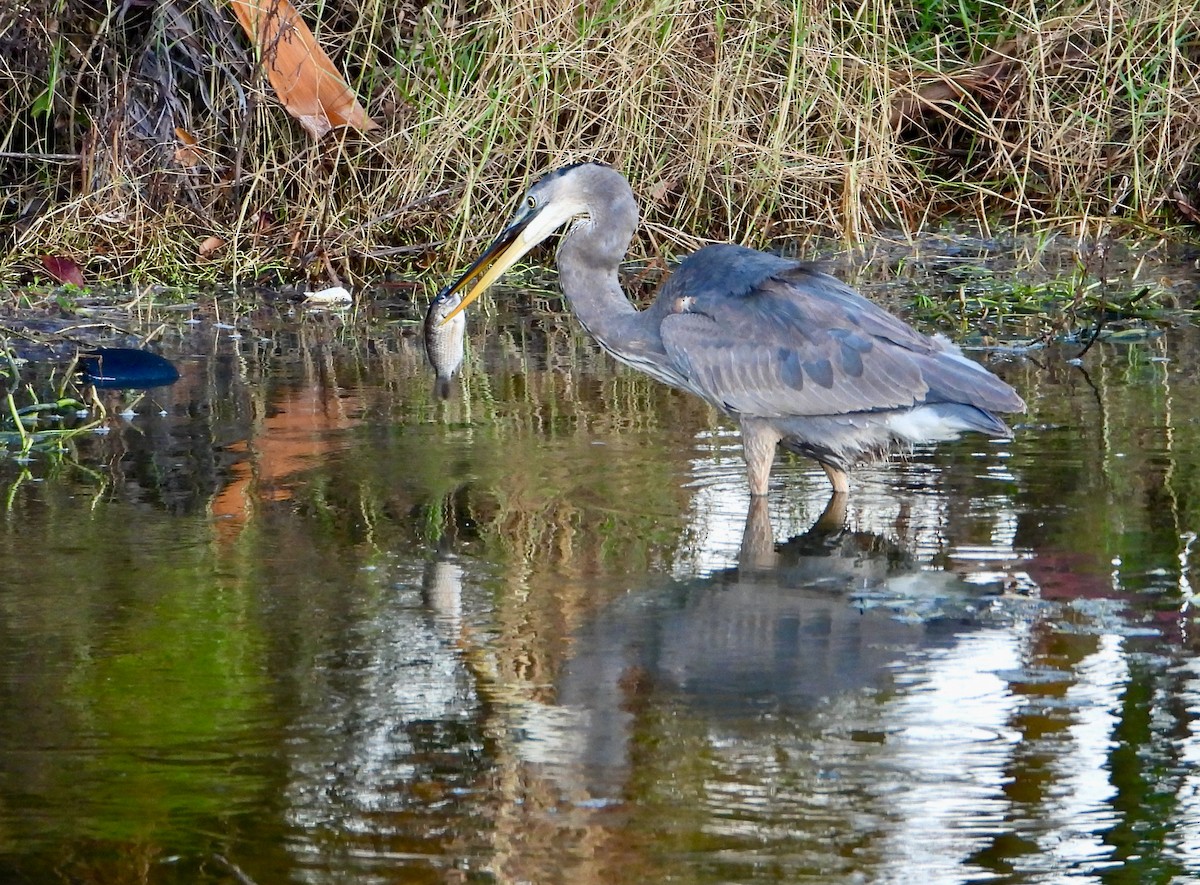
(744, 121)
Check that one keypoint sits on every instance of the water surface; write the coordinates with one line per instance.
(310, 625)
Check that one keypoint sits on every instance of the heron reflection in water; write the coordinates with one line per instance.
(794, 355)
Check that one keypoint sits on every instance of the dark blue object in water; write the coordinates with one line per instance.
(126, 367)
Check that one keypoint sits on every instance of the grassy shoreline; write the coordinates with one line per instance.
(134, 138)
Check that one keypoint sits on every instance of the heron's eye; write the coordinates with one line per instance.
(530, 202)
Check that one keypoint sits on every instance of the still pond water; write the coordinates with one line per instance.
(309, 625)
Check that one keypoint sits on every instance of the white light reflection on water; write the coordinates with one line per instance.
(949, 757)
(896, 499)
(1080, 804)
(718, 510)
(354, 760)
(1187, 827)
(951, 736)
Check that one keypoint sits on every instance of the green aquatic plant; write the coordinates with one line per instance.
(38, 417)
(1093, 288)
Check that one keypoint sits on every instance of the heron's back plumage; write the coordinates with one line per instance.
(762, 335)
(764, 338)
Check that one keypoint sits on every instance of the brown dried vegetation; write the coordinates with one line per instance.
(134, 135)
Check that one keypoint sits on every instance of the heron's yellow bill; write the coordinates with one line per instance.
(531, 225)
(509, 248)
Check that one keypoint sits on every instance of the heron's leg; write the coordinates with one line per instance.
(759, 439)
(837, 478)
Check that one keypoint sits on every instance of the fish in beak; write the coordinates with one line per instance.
(444, 341)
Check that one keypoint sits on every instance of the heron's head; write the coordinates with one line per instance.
(571, 196)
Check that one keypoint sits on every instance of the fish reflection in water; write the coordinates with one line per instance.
(444, 340)
(441, 587)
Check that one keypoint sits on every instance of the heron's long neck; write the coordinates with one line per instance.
(587, 270)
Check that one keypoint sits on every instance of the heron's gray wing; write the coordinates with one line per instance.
(801, 343)
(949, 376)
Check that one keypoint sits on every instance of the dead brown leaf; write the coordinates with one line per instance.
(309, 86)
(65, 270)
(186, 154)
(209, 246)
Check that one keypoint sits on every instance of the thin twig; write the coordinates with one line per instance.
(238, 872)
(1099, 325)
(66, 331)
(48, 158)
(388, 251)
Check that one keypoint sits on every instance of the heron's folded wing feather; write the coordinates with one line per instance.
(948, 375)
(779, 351)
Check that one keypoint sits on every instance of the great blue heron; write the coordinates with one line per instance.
(793, 354)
